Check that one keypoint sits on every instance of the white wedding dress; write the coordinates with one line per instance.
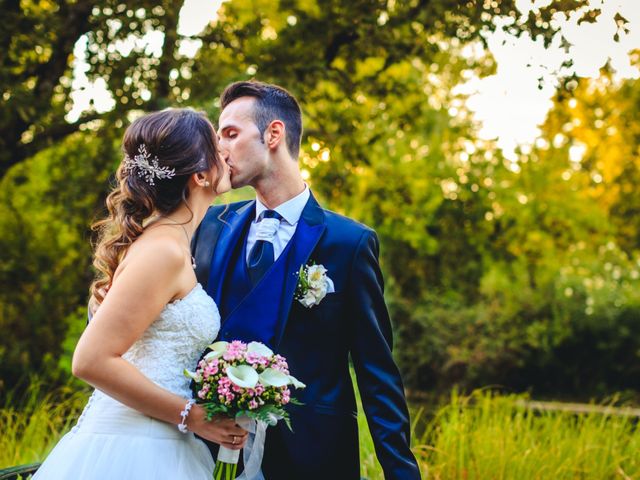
(112, 441)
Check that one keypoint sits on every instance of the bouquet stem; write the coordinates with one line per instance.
(225, 471)
(226, 464)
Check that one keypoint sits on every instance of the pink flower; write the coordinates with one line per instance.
(224, 386)
(280, 364)
(235, 351)
(203, 393)
(209, 370)
(253, 405)
(253, 358)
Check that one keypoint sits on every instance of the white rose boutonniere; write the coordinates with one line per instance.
(313, 285)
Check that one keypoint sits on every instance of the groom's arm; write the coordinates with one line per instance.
(378, 378)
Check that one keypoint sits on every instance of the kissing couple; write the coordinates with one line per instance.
(175, 273)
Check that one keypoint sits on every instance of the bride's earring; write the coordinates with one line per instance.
(206, 184)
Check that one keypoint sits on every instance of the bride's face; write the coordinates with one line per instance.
(225, 178)
(203, 184)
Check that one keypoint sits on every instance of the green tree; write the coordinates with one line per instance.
(38, 39)
(47, 203)
(471, 266)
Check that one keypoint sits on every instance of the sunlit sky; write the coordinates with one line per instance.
(509, 105)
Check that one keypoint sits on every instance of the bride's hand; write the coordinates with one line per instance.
(221, 430)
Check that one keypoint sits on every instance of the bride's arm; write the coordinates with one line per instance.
(151, 278)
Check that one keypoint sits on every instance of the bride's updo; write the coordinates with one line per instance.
(161, 151)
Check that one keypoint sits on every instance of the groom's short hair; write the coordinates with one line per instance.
(272, 103)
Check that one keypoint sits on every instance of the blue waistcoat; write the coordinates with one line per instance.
(238, 290)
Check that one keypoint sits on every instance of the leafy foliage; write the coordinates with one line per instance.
(523, 273)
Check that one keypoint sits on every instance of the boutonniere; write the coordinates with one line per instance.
(313, 285)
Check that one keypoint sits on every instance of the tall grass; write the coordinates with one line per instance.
(488, 436)
(481, 436)
(31, 424)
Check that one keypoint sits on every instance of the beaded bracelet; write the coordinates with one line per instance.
(182, 426)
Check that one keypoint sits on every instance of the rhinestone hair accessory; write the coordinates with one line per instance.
(147, 167)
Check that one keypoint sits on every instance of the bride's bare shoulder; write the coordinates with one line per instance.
(156, 251)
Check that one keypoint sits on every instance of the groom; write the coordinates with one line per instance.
(248, 256)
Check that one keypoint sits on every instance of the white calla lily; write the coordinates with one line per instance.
(217, 349)
(259, 349)
(192, 375)
(243, 376)
(274, 378)
(295, 382)
(211, 355)
(272, 419)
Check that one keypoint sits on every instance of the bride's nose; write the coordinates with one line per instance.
(224, 152)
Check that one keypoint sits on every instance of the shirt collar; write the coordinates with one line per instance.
(291, 210)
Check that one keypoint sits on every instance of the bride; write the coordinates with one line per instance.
(155, 320)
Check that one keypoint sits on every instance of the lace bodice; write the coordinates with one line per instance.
(175, 341)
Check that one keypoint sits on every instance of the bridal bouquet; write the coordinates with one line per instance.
(246, 382)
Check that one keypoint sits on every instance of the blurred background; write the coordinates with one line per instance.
(493, 145)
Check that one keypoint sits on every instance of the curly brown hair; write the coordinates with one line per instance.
(181, 139)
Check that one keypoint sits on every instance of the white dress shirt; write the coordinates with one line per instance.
(272, 230)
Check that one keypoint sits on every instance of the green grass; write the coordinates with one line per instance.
(482, 436)
(488, 436)
(31, 425)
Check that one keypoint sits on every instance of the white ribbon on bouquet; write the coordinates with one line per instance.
(253, 450)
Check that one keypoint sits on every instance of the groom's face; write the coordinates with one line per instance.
(241, 144)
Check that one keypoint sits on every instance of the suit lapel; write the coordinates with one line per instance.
(310, 229)
(203, 245)
(227, 240)
(262, 314)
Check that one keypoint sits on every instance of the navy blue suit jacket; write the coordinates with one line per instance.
(317, 343)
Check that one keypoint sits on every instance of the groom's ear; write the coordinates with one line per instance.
(275, 134)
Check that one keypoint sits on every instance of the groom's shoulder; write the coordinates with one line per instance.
(217, 213)
(346, 226)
